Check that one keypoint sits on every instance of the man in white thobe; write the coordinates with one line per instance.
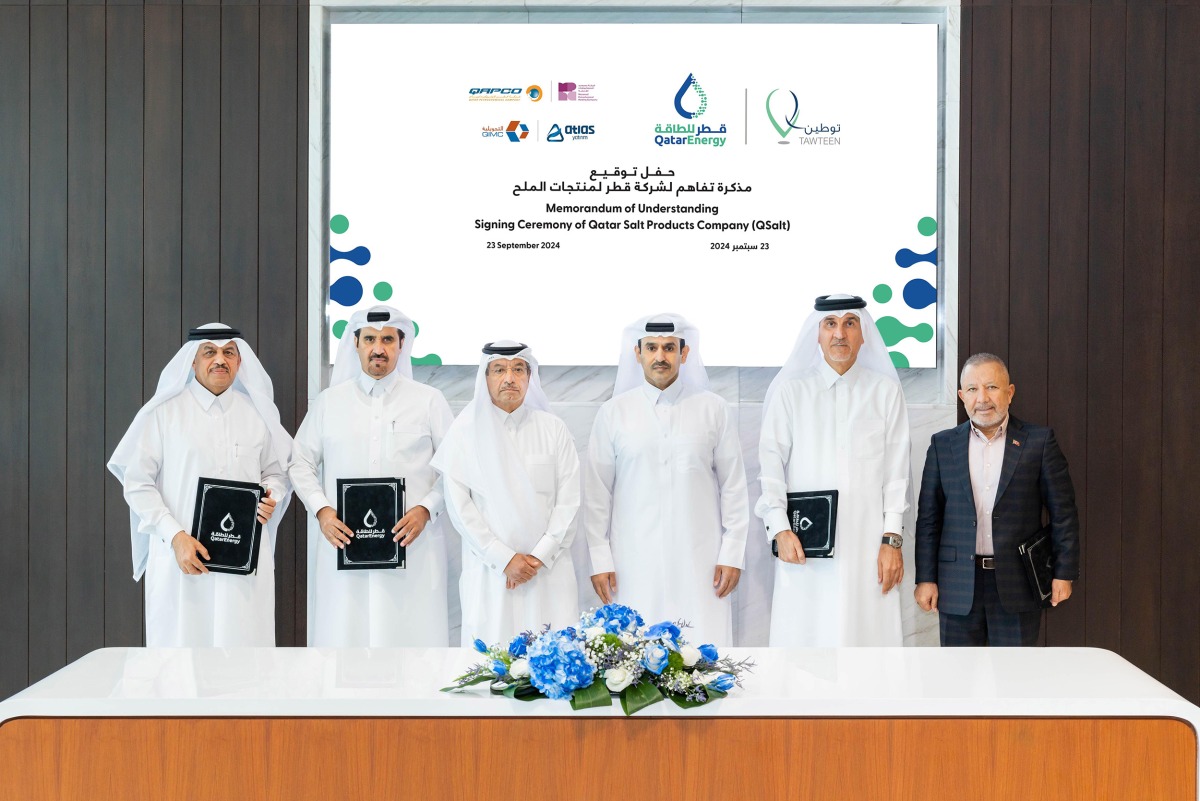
(512, 491)
(373, 421)
(212, 415)
(665, 487)
(835, 418)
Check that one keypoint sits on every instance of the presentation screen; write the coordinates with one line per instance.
(552, 183)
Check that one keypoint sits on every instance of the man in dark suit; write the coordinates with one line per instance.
(985, 485)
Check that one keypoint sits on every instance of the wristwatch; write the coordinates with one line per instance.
(894, 540)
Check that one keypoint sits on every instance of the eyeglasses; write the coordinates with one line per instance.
(518, 370)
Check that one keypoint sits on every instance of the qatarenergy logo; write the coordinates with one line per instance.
(691, 101)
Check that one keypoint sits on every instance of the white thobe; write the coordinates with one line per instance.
(849, 433)
(366, 428)
(491, 612)
(665, 491)
(191, 435)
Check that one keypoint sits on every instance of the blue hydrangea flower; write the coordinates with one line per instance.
(558, 665)
(518, 646)
(723, 682)
(655, 658)
(666, 632)
(480, 646)
(499, 668)
(613, 618)
(709, 652)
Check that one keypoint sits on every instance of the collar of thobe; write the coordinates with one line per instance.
(999, 431)
(669, 396)
(206, 399)
(514, 420)
(829, 376)
(376, 387)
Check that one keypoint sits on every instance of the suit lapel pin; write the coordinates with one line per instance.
(1017, 443)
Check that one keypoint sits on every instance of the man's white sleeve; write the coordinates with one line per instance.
(774, 450)
(735, 504)
(599, 477)
(307, 456)
(896, 465)
(467, 518)
(440, 419)
(560, 530)
(141, 484)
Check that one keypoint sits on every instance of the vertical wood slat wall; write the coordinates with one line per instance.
(153, 176)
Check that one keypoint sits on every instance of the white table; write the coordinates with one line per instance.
(891, 718)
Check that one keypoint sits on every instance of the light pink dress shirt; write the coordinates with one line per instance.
(986, 458)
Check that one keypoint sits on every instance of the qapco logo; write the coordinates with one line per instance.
(496, 93)
(534, 93)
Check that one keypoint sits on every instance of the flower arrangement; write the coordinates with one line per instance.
(611, 652)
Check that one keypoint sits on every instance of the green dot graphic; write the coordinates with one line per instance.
(898, 359)
(927, 226)
(339, 224)
(383, 290)
(339, 328)
(882, 293)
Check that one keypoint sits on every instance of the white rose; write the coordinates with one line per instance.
(519, 668)
(691, 655)
(593, 632)
(617, 679)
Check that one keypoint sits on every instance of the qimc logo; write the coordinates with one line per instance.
(517, 131)
(690, 84)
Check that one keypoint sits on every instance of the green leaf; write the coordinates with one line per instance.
(464, 684)
(683, 703)
(639, 696)
(613, 640)
(523, 692)
(595, 694)
(674, 660)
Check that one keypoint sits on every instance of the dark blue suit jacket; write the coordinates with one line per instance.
(1034, 475)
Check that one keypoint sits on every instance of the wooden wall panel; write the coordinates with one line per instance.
(278, 196)
(1106, 209)
(86, 315)
(1066, 405)
(1029, 202)
(14, 333)
(991, 92)
(1141, 368)
(162, 232)
(1177, 463)
(201, 178)
(122, 291)
(239, 168)
(48, 313)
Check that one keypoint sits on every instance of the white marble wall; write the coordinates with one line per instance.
(576, 393)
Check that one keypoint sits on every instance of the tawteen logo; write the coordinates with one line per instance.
(779, 109)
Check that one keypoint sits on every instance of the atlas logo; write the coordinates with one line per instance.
(534, 92)
(690, 84)
(517, 131)
(559, 134)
